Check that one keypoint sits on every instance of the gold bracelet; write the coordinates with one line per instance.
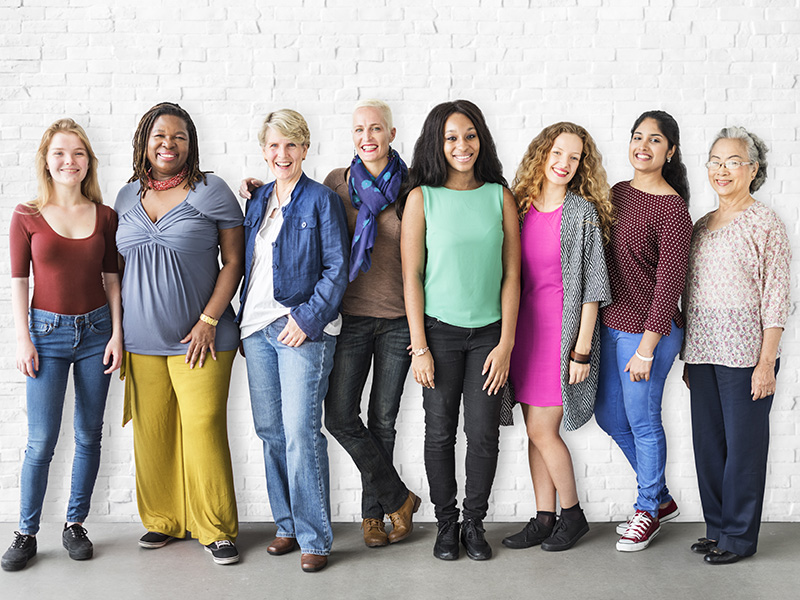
(210, 320)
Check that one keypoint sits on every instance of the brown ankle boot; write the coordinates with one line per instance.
(401, 520)
(374, 533)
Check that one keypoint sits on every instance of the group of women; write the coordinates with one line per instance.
(556, 293)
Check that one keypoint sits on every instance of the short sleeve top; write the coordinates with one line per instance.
(646, 260)
(171, 267)
(67, 272)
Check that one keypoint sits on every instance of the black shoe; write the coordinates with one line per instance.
(21, 550)
(533, 534)
(154, 539)
(703, 546)
(224, 552)
(446, 546)
(721, 557)
(565, 534)
(75, 541)
(472, 537)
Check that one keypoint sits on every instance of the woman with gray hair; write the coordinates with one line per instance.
(736, 304)
(295, 277)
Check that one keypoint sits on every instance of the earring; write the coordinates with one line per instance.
(669, 159)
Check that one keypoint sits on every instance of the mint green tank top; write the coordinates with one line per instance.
(464, 266)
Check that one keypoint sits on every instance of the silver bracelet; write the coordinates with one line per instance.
(645, 359)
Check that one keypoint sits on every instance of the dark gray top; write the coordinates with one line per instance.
(171, 267)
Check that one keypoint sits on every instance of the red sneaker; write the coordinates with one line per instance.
(641, 531)
(666, 513)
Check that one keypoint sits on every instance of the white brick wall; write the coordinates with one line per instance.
(527, 63)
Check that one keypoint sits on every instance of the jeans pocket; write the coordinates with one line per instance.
(40, 328)
(102, 324)
(431, 323)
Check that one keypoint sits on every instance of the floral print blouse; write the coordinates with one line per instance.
(737, 285)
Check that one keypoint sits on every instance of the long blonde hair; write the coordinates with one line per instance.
(590, 179)
(90, 187)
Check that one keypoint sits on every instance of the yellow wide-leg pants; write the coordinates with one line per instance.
(184, 478)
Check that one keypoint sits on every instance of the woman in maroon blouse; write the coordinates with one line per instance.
(642, 329)
(74, 320)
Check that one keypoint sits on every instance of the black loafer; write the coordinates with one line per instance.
(721, 557)
(446, 546)
(703, 546)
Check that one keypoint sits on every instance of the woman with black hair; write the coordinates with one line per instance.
(642, 329)
(461, 273)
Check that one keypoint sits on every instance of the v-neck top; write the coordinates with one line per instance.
(67, 272)
(171, 267)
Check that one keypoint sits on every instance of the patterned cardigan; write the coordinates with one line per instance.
(585, 279)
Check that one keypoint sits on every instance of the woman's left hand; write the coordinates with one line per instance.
(496, 365)
(113, 353)
(762, 383)
(201, 341)
(292, 335)
(578, 372)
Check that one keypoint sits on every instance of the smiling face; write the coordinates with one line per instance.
(284, 156)
(649, 148)
(564, 159)
(168, 146)
(371, 138)
(731, 183)
(67, 159)
(461, 143)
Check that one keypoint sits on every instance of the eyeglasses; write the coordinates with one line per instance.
(714, 165)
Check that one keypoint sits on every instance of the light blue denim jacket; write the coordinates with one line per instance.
(310, 255)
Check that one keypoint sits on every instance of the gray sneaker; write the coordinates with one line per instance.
(21, 550)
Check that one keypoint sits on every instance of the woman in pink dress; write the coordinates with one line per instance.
(565, 212)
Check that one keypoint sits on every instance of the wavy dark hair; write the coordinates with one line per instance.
(674, 171)
(428, 165)
(141, 165)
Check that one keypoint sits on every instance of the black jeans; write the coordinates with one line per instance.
(458, 357)
(362, 341)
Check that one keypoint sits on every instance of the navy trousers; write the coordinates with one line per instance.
(730, 432)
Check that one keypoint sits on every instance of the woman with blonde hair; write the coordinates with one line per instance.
(74, 319)
(565, 214)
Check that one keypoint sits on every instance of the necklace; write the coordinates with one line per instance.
(167, 184)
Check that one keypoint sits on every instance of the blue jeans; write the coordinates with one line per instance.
(61, 341)
(362, 341)
(630, 411)
(287, 387)
(458, 357)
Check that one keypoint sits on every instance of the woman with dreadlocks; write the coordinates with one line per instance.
(174, 222)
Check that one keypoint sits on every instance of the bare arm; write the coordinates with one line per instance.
(763, 380)
(113, 351)
(412, 250)
(499, 360)
(583, 345)
(201, 337)
(27, 357)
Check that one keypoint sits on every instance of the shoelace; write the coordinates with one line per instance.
(638, 525)
(77, 531)
(20, 540)
(373, 525)
(473, 529)
(222, 543)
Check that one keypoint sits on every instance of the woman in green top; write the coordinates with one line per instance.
(461, 262)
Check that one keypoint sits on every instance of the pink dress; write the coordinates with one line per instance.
(535, 361)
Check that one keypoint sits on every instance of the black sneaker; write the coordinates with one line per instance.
(533, 534)
(446, 546)
(21, 550)
(224, 552)
(565, 534)
(75, 541)
(154, 539)
(472, 537)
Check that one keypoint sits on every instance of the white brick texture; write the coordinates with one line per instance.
(527, 63)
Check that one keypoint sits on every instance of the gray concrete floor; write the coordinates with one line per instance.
(593, 569)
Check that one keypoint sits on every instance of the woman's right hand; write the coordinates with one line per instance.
(248, 185)
(27, 358)
(422, 367)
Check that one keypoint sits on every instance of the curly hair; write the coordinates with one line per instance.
(141, 165)
(590, 179)
(90, 187)
(673, 171)
(756, 151)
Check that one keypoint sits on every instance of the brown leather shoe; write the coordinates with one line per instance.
(281, 545)
(374, 533)
(311, 563)
(401, 520)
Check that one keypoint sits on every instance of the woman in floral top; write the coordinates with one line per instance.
(736, 304)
